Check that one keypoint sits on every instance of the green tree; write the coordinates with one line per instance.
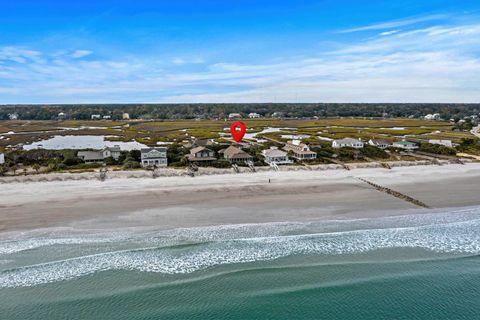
(36, 167)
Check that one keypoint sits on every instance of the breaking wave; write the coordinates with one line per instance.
(456, 232)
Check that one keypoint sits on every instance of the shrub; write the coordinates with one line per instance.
(374, 152)
(437, 149)
(221, 163)
(131, 164)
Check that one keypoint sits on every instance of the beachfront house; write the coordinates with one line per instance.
(113, 152)
(125, 116)
(254, 115)
(90, 156)
(154, 157)
(275, 156)
(379, 143)
(405, 145)
(446, 143)
(235, 155)
(2, 158)
(100, 155)
(300, 150)
(347, 142)
(95, 117)
(201, 155)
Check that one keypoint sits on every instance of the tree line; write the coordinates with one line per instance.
(214, 110)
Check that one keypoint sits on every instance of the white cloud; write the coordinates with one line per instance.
(396, 23)
(435, 64)
(388, 33)
(77, 54)
(180, 61)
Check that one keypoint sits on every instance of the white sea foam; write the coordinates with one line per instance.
(447, 236)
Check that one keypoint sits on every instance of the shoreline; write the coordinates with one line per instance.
(208, 200)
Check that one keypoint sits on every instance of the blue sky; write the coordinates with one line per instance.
(239, 51)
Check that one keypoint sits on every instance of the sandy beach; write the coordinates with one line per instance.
(172, 202)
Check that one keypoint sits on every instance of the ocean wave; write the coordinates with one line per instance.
(448, 237)
(30, 241)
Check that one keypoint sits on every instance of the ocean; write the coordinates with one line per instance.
(413, 266)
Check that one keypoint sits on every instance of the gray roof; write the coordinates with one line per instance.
(113, 149)
(274, 153)
(152, 153)
(147, 150)
(380, 142)
(90, 155)
(235, 153)
(348, 141)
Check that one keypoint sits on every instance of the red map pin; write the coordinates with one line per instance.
(238, 130)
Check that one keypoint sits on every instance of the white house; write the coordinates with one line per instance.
(253, 115)
(234, 115)
(300, 150)
(2, 158)
(107, 117)
(99, 155)
(406, 145)
(347, 142)
(446, 143)
(13, 116)
(95, 117)
(379, 143)
(125, 116)
(113, 152)
(275, 156)
(435, 116)
(154, 157)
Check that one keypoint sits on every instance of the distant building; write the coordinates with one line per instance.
(406, 145)
(201, 154)
(234, 115)
(347, 142)
(253, 115)
(125, 116)
(13, 116)
(2, 158)
(435, 116)
(236, 155)
(95, 117)
(107, 117)
(446, 143)
(379, 143)
(100, 155)
(278, 115)
(154, 157)
(61, 116)
(199, 143)
(275, 156)
(300, 150)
